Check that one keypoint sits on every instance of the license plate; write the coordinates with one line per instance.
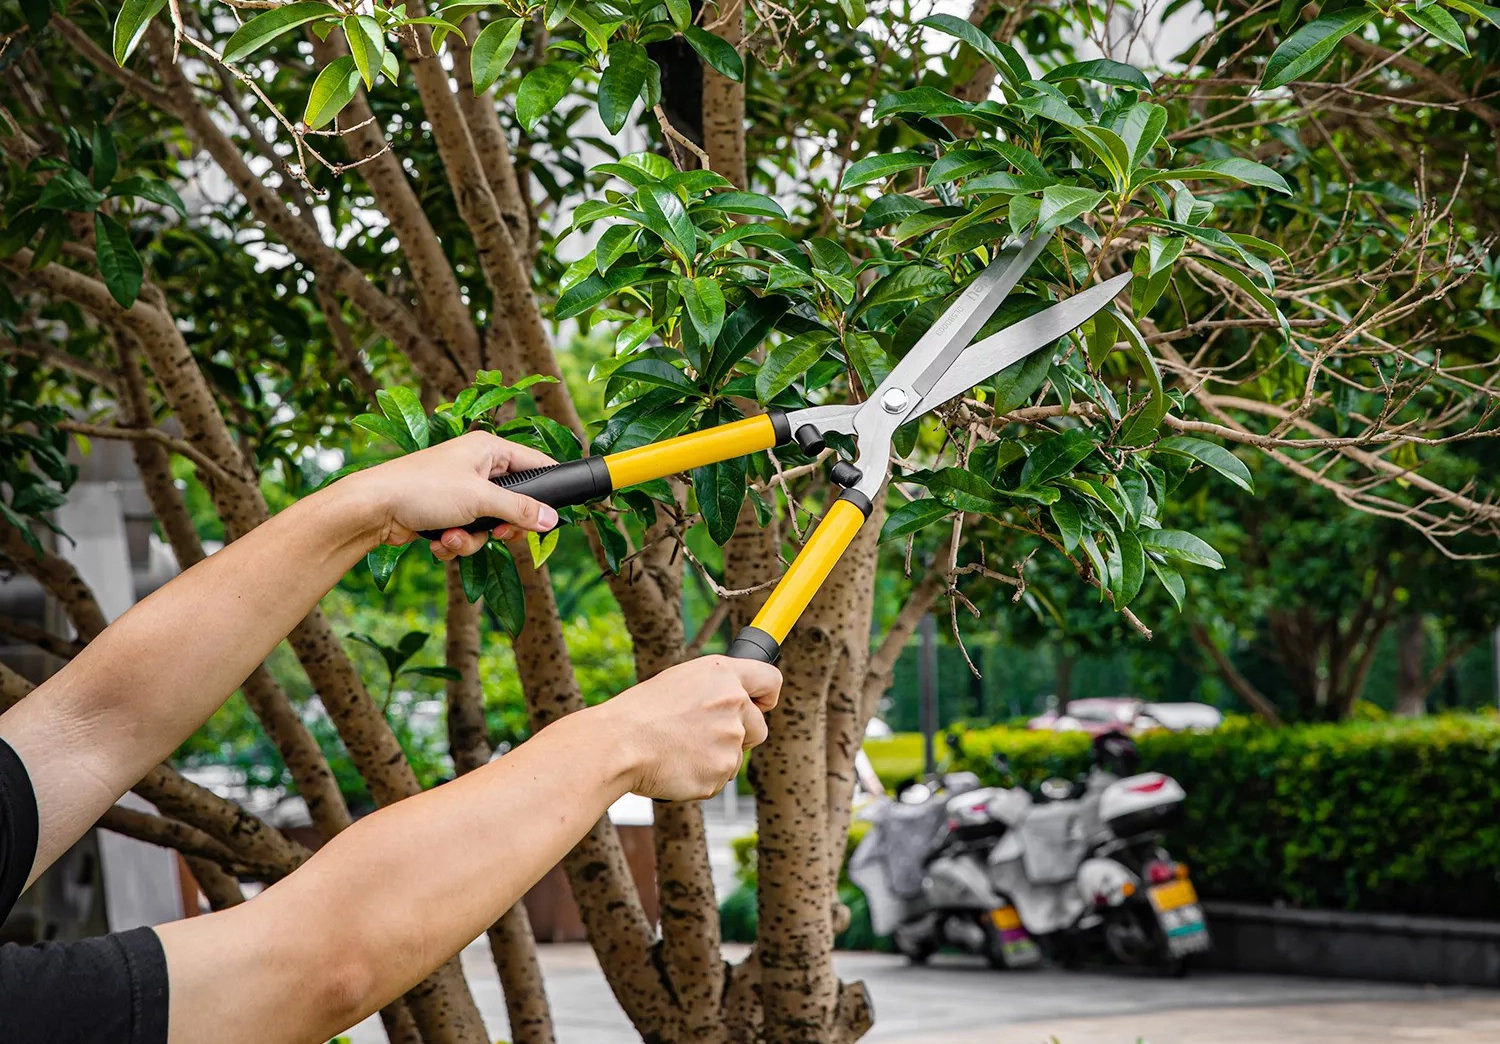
(1017, 947)
(1173, 895)
(1186, 933)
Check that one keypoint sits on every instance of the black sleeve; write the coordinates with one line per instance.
(17, 828)
(111, 990)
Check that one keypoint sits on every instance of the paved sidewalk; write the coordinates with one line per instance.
(960, 1001)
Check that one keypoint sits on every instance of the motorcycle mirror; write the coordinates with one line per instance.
(916, 794)
(1056, 789)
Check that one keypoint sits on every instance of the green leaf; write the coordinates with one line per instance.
(1048, 107)
(1182, 546)
(963, 29)
(67, 189)
(611, 540)
(382, 562)
(877, 168)
(267, 26)
(617, 241)
(1069, 522)
(1170, 579)
(474, 572)
(910, 283)
(1143, 424)
(366, 45)
(743, 332)
(1111, 150)
(1212, 455)
(656, 372)
(444, 671)
(752, 204)
(720, 489)
(106, 159)
(1309, 47)
(541, 90)
(1245, 283)
(667, 217)
(386, 429)
(888, 209)
(962, 490)
(681, 13)
(1440, 24)
(789, 360)
(621, 83)
(1163, 252)
(119, 263)
(1056, 457)
(493, 49)
(1063, 203)
(390, 67)
(503, 592)
(131, 22)
(924, 101)
(705, 306)
(331, 91)
(1102, 70)
(1140, 128)
(644, 421)
(1132, 573)
(402, 406)
(717, 52)
(541, 547)
(139, 187)
(1480, 11)
(1019, 381)
(912, 516)
(1232, 168)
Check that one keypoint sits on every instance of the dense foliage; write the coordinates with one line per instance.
(1373, 816)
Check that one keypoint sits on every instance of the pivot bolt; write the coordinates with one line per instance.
(894, 401)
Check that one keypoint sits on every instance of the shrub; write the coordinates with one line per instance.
(1396, 815)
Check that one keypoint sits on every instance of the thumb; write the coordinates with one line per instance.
(517, 508)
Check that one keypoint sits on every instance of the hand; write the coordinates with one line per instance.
(447, 487)
(692, 723)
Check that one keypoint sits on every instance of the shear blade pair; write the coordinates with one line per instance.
(942, 365)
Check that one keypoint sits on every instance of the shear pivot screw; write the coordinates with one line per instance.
(893, 401)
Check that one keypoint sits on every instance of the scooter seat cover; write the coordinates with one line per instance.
(1053, 845)
(907, 833)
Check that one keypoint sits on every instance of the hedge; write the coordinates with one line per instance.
(1398, 816)
(1395, 816)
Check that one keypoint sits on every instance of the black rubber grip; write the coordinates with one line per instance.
(561, 485)
(754, 644)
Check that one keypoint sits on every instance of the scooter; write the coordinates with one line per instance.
(1085, 866)
(922, 869)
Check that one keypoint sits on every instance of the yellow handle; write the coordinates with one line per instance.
(686, 452)
(808, 571)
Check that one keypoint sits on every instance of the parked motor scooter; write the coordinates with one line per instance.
(923, 871)
(1084, 866)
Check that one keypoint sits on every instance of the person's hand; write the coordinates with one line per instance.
(690, 725)
(447, 487)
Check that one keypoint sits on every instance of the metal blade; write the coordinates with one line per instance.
(931, 356)
(993, 354)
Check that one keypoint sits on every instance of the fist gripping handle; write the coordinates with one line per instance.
(561, 485)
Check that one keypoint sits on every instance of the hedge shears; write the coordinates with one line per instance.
(940, 366)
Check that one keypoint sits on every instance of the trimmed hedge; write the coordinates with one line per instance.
(1399, 816)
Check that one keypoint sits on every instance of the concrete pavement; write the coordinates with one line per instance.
(960, 1001)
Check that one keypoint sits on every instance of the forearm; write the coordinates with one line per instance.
(394, 896)
(141, 688)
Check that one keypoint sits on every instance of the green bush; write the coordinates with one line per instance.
(1396, 815)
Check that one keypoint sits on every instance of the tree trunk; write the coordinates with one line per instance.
(1411, 680)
